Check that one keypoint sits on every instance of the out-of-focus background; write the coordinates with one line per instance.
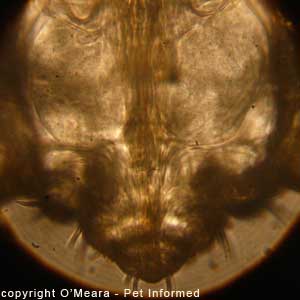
(278, 275)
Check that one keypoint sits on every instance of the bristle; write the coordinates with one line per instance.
(127, 280)
(224, 242)
(135, 284)
(82, 250)
(28, 203)
(169, 284)
(73, 238)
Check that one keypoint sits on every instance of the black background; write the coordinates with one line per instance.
(279, 275)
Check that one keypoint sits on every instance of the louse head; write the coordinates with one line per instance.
(149, 235)
(150, 244)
